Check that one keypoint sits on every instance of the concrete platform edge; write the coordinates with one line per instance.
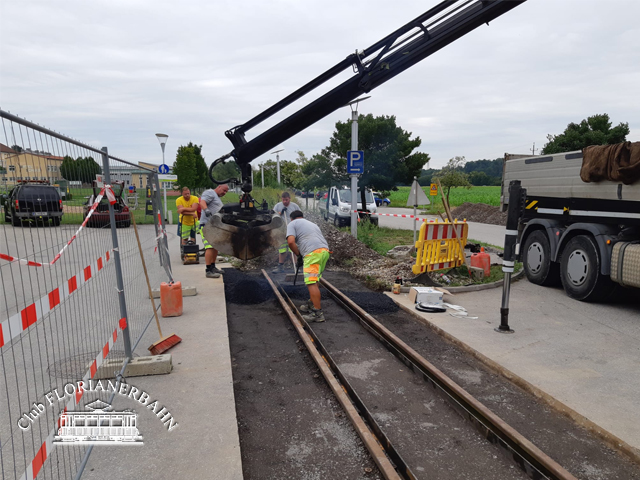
(607, 437)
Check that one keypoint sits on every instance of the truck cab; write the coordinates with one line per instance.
(337, 207)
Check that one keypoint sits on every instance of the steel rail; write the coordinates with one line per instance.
(368, 438)
(533, 461)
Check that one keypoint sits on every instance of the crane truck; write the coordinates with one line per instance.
(247, 229)
(572, 230)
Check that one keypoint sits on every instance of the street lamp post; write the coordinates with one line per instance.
(277, 152)
(354, 176)
(162, 138)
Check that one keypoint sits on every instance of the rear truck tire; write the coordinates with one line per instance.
(580, 271)
(55, 221)
(123, 224)
(374, 221)
(15, 221)
(536, 259)
(336, 221)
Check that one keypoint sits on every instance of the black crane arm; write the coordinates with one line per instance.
(423, 36)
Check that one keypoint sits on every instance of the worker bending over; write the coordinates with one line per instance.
(305, 240)
(211, 203)
(284, 209)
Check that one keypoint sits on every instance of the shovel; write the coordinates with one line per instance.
(288, 277)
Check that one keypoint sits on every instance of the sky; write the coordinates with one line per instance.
(114, 73)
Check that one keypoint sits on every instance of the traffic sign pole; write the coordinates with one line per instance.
(354, 177)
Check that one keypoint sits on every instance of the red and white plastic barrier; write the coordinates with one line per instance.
(112, 200)
(43, 453)
(19, 322)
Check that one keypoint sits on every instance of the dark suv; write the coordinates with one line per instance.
(39, 202)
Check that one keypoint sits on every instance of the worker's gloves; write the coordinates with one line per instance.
(299, 262)
(284, 209)
(207, 213)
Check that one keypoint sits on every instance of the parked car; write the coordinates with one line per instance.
(100, 217)
(337, 206)
(39, 202)
(380, 200)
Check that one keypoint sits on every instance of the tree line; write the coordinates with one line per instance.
(83, 169)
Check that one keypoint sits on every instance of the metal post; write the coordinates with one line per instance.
(262, 170)
(354, 177)
(162, 226)
(164, 187)
(116, 259)
(151, 184)
(415, 207)
(277, 152)
(516, 196)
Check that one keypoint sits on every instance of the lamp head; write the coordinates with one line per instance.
(162, 138)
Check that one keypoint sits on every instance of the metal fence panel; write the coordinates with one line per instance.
(60, 309)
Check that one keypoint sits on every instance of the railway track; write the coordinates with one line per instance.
(396, 449)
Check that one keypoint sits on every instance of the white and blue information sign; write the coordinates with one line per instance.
(164, 168)
(355, 162)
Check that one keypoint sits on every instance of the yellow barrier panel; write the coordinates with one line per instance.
(437, 246)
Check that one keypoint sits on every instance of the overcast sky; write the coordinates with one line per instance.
(116, 72)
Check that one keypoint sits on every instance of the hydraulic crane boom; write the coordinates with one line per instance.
(423, 36)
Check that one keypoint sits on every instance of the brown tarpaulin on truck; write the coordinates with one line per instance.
(618, 163)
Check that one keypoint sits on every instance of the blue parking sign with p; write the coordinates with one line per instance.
(355, 161)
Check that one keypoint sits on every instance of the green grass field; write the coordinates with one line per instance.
(458, 196)
(382, 239)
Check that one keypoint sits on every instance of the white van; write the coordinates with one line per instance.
(337, 206)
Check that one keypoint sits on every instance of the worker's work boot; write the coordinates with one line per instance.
(315, 315)
(278, 269)
(306, 307)
(211, 273)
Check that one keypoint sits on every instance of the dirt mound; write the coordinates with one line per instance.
(348, 254)
(481, 213)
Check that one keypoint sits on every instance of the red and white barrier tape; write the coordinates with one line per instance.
(398, 215)
(19, 322)
(47, 446)
(22, 261)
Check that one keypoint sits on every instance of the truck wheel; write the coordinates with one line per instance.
(336, 221)
(55, 221)
(537, 262)
(580, 271)
(15, 221)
